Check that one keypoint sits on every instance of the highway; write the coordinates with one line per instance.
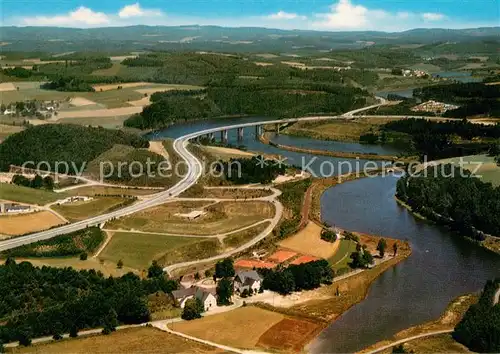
(194, 172)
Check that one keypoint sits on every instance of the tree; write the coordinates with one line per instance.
(37, 182)
(24, 338)
(197, 276)
(155, 270)
(224, 292)
(48, 183)
(208, 273)
(2, 349)
(110, 322)
(83, 256)
(395, 248)
(381, 246)
(192, 309)
(73, 331)
(225, 268)
(119, 265)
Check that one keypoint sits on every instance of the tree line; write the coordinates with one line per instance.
(256, 169)
(49, 301)
(480, 327)
(449, 195)
(76, 145)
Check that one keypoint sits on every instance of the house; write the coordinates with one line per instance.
(249, 280)
(206, 297)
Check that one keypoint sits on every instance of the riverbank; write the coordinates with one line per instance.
(444, 324)
(341, 154)
(490, 243)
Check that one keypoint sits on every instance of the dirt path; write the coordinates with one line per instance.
(158, 148)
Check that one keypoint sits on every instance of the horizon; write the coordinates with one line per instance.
(321, 15)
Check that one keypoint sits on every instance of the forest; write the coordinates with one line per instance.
(306, 276)
(450, 195)
(235, 97)
(474, 98)
(254, 170)
(49, 301)
(68, 84)
(72, 244)
(52, 143)
(445, 139)
(480, 327)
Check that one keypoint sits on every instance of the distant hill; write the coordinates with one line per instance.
(244, 39)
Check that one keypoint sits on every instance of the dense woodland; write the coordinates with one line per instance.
(76, 145)
(473, 98)
(480, 328)
(445, 139)
(49, 301)
(237, 97)
(449, 195)
(257, 169)
(72, 244)
(306, 276)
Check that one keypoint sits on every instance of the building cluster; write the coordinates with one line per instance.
(434, 107)
(14, 208)
(30, 108)
(414, 73)
(244, 281)
(74, 199)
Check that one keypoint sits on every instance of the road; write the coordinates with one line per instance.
(194, 168)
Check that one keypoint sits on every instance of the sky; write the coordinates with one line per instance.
(331, 15)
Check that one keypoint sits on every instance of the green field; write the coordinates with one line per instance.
(488, 170)
(84, 210)
(240, 238)
(341, 258)
(28, 195)
(138, 250)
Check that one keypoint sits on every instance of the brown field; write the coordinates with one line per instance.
(219, 218)
(250, 264)
(281, 256)
(289, 334)
(6, 130)
(338, 129)
(26, 223)
(108, 87)
(240, 328)
(132, 340)
(309, 241)
(83, 210)
(304, 259)
(103, 113)
(112, 191)
(107, 268)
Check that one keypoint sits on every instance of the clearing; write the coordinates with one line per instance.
(138, 250)
(488, 170)
(26, 223)
(78, 211)
(308, 241)
(338, 129)
(28, 195)
(240, 328)
(6, 130)
(131, 340)
(219, 218)
(107, 268)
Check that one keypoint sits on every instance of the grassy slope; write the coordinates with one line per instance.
(28, 195)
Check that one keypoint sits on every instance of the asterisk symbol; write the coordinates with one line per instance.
(261, 161)
(280, 161)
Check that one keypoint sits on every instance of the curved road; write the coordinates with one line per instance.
(194, 167)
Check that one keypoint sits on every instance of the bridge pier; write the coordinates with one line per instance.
(223, 136)
(277, 127)
(258, 131)
(211, 137)
(240, 134)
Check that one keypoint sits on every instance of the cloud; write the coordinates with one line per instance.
(282, 15)
(431, 16)
(82, 16)
(135, 10)
(344, 15)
